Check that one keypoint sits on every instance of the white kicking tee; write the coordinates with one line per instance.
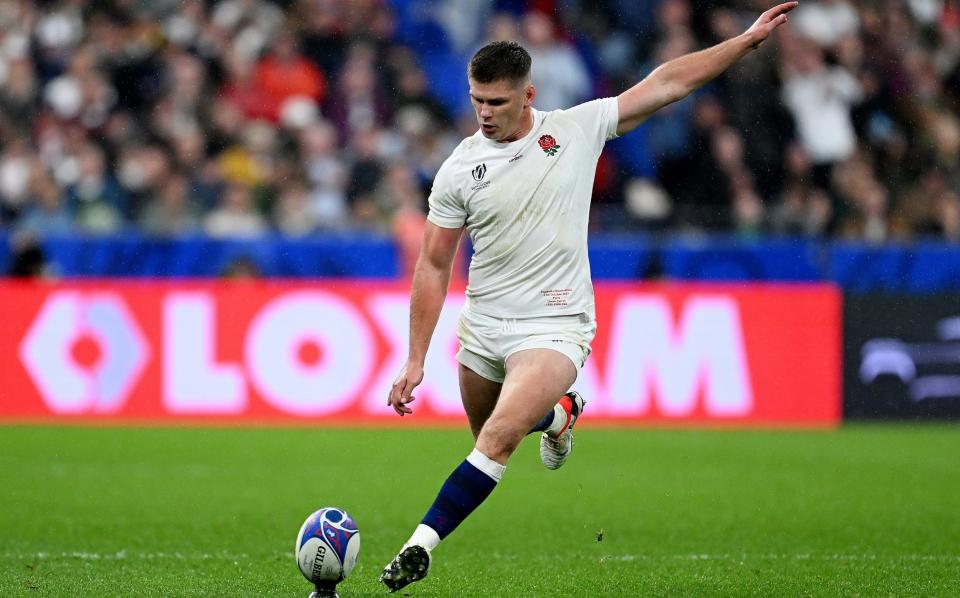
(526, 206)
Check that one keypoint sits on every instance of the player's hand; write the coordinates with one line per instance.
(401, 392)
(769, 21)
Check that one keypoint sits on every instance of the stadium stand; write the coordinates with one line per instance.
(176, 137)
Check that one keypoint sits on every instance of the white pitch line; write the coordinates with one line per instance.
(230, 556)
(782, 557)
(121, 555)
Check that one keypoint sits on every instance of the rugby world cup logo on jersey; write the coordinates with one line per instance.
(478, 173)
(548, 144)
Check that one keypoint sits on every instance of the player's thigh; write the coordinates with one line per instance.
(535, 381)
(479, 396)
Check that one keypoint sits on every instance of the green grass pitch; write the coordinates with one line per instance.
(866, 510)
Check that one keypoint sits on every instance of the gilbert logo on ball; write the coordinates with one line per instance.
(327, 546)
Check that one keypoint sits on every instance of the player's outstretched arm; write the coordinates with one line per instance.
(676, 79)
(431, 277)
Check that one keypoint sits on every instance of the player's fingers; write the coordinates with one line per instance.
(396, 392)
(398, 406)
(407, 390)
(774, 13)
(401, 406)
(400, 395)
(774, 23)
(782, 9)
(392, 394)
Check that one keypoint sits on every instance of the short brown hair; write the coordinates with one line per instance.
(498, 61)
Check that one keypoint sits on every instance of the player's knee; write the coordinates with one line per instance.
(498, 440)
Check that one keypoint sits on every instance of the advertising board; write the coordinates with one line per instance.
(327, 352)
(902, 356)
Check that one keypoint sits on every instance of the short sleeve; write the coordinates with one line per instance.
(598, 119)
(446, 208)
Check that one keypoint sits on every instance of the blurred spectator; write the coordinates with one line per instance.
(744, 95)
(292, 214)
(557, 72)
(821, 98)
(17, 162)
(141, 169)
(826, 21)
(359, 105)
(648, 203)
(401, 201)
(929, 209)
(241, 92)
(82, 93)
(802, 209)
(249, 162)
(178, 111)
(171, 211)
(235, 216)
(18, 88)
(327, 174)
(502, 27)
(45, 215)
(28, 260)
(324, 34)
(96, 199)
(670, 129)
(412, 99)
(865, 202)
(248, 24)
(459, 19)
(313, 115)
(701, 201)
(947, 216)
(285, 74)
(364, 178)
(802, 212)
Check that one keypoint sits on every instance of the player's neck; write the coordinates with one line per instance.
(526, 125)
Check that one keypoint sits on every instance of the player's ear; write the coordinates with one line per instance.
(529, 94)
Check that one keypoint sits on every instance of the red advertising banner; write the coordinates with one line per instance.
(327, 352)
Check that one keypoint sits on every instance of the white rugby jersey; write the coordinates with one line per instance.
(526, 206)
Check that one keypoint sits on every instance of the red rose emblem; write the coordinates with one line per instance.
(548, 144)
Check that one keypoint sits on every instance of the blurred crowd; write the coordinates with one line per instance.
(237, 118)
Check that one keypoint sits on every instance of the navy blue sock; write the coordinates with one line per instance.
(463, 492)
(544, 423)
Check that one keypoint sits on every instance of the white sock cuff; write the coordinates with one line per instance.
(559, 420)
(486, 465)
(424, 536)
